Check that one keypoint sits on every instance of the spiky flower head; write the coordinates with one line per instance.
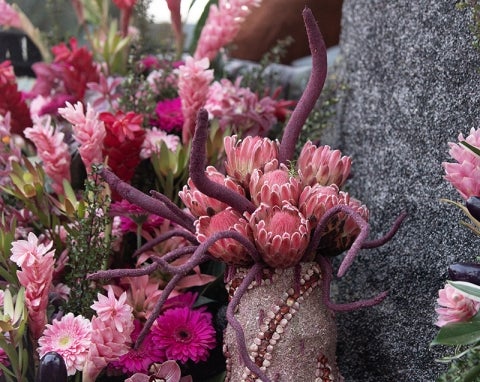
(200, 204)
(340, 230)
(281, 234)
(274, 185)
(322, 165)
(245, 156)
(228, 250)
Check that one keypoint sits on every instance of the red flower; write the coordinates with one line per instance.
(123, 142)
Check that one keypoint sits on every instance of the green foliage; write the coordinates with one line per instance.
(474, 6)
(89, 239)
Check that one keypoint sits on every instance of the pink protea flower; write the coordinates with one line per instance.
(52, 150)
(281, 234)
(322, 165)
(341, 229)
(184, 334)
(245, 156)
(222, 25)
(169, 115)
(153, 140)
(228, 250)
(70, 337)
(198, 203)
(88, 131)
(454, 306)
(139, 360)
(194, 78)
(274, 186)
(465, 174)
(109, 309)
(9, 17)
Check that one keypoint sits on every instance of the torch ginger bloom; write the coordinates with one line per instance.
(454, 306)
(465, 174)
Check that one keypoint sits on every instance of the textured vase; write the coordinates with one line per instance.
(289, 332)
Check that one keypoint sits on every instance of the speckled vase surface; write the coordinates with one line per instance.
(289, 332)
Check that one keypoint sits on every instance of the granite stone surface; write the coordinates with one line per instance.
(411, 84)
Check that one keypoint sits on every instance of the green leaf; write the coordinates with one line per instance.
(472, 148)
(459, 333)
(470, 290)
(471, 375)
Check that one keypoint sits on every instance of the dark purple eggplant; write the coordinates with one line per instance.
(473, 206)
(52, 368)
(465, 272)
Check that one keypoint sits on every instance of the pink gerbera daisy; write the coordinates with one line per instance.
(70, 337)
(184, 334)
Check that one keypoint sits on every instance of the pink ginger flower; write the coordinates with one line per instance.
(322, 165)
(37, 263)
(240, 108)
(71, 338)
(222, 25)
(109, 309)
(9, 17)
(454, 306)
(52, 150)
(184, 334)
(274, 185)
(464, 175)
(194, 78)
(107, 345)
(200, 204)
(153, 140)
(88, 130)
(281, 234)
(245, 156)
(228, 250)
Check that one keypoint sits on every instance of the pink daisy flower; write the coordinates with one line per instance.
(70, 337)
(108, 308)
(184, 334)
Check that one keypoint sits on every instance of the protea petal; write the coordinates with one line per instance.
(200, 204)
(322, 165)
(228, 250)
(244, 156)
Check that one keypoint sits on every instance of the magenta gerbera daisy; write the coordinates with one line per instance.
(184, 334)
(70, 337)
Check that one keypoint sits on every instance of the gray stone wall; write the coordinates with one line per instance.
(411, 80)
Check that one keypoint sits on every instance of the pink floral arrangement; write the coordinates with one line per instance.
(61, 222)
(458, 302)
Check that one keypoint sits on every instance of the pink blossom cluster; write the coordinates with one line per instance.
(454, 306)
(37, 264)
(287, 203)
(240, 108)
(464, 175)
(52, 150)
(222, 25)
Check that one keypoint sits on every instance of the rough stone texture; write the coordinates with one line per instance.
(412, 84)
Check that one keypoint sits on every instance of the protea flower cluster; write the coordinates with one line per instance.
(264, 213)
(286, 203)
